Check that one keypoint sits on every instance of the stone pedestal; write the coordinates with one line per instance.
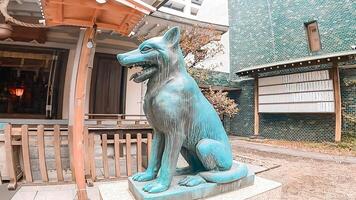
(177, 192)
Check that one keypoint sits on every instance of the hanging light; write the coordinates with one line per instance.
(17, 90)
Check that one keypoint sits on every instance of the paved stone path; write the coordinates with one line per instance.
(292, 152)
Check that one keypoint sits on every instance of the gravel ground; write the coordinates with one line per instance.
(304, 178)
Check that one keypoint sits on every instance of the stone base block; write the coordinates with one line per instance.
(177, 192)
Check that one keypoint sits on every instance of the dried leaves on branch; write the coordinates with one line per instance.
(199, 45)
(221, 102)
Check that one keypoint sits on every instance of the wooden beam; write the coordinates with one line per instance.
(337, 99)
(78, 124)
(256, 114)
(27, 55)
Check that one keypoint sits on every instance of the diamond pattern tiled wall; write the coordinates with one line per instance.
(265, 31)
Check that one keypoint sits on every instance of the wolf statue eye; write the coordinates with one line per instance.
(145, 49)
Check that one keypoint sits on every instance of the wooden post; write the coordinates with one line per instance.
(26, 153)
(256, 114)
(42, 153)
(92, 157)
(78, 123)
(104, 144)
(128, 154)
(10, 163)
(337, 99)
(149, 144)
(117, 155)
(57, 152)
(70, 147)
(139, 152)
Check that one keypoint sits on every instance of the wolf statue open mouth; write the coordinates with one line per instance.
(147, 70)
(183, 120)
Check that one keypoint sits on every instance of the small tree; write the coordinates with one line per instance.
(198, 45)
(223, 104)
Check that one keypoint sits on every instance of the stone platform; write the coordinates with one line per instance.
(177, 192)
(261, 189)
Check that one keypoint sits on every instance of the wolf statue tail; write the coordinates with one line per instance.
(236, 172)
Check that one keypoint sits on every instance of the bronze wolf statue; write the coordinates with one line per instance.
(182, 118)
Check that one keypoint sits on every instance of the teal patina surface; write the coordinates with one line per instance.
(182, 118)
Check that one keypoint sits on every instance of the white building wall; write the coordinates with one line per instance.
(216, 12)
(66, 92)
(211, 11)
(134, 95)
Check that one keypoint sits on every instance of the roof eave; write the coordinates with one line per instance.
(299, 62)
(188, 21)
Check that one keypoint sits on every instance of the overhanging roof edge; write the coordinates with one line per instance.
(245, 71)
(184, 20)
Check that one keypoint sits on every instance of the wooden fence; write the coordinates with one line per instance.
(58, 138)
(120, 142)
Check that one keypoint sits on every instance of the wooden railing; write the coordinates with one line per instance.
(27, 139)
(100, 119)
(53, 144)
(122, 162)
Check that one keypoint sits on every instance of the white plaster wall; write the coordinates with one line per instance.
(216, 12)
(66, 92)
(134, 95)
(221, 60)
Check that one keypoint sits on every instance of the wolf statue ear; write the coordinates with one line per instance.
(172, 36)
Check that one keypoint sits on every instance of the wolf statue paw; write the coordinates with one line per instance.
(191, 181)
(143, 176)
(155, 187)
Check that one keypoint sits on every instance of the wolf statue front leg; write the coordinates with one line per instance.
(155, 159)
(173, 141)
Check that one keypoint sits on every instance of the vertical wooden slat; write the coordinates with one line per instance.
(41, 153)
(128, 155)
(104, 144)
(117, 154)
(10, 158)
(149, 143)
(70, 146)
(92, 156)
(26, 153)
(86, 153)
(337, 99)
(139, 152)
(57, 152)
(256, 114)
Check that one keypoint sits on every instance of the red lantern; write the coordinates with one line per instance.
(17, 91)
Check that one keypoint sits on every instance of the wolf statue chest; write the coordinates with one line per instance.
(148, 103)
(154, 102)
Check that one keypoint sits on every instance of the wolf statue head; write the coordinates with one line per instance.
(159, 58)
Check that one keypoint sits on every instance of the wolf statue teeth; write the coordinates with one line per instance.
(182, 118)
